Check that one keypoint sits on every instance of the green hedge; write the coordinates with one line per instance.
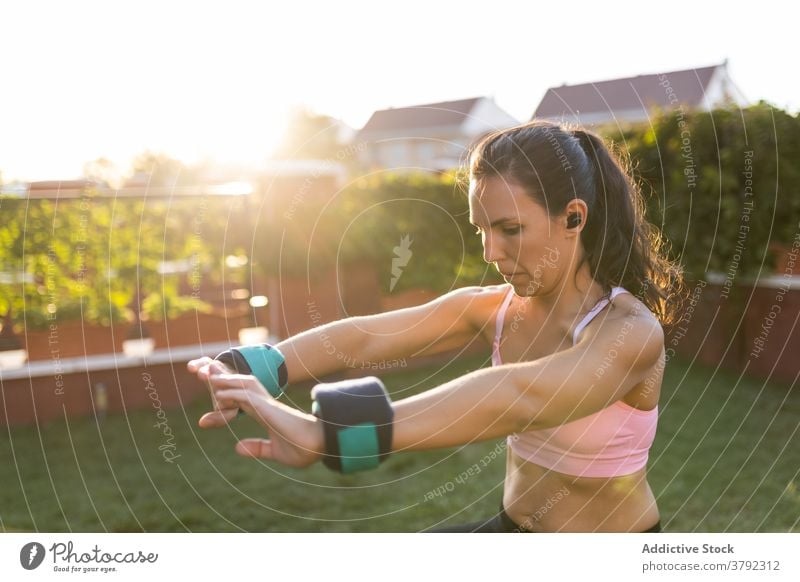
(722, 185)
(418, 224)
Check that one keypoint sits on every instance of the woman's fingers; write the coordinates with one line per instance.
(194, 365)
(218, 418)
(203, 375)
(255, 448)
(219, 378)
(235, 397)
(221, 381)
(249, 384)
(211, 368)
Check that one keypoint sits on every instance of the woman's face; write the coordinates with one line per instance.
(526, 246)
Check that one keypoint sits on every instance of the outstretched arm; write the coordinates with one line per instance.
(445, 323)
(543, 393)
(481, 405)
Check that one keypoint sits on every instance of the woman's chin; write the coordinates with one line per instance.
(529, 288)
(520, 283)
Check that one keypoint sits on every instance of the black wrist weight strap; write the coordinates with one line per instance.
(357, 421)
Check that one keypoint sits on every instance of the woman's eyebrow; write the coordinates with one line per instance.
(496, 222)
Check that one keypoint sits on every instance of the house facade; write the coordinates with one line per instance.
(432, 137)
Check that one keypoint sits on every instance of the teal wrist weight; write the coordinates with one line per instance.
(263, 361)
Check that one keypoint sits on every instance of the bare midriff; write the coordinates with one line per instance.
(542, 500)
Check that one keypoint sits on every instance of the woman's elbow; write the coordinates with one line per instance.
(527, 408)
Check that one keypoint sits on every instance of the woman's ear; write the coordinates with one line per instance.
(574, 215)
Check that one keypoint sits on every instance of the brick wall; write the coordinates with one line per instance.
(43, 399)
(752, 328)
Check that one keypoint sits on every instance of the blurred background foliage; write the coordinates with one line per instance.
(87, 257)
(702, 217)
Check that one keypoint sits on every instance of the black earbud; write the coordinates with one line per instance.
(573, 220)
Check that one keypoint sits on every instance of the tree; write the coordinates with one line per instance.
(310, 136)
(103, 171)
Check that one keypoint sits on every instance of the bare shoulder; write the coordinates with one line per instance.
(629, 304)
(631, 327)
(478, 304)
(626, 306)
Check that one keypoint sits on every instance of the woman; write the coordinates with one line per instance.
(578, 348)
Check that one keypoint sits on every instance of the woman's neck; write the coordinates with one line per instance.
(575, 295)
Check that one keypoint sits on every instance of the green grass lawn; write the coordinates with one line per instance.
(726, 458)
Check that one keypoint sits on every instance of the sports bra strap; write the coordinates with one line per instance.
(595, 310)
(501, 315)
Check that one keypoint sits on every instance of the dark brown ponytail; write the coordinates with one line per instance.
(556, 165)
(621, 246)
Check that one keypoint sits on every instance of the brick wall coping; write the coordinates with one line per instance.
(56, 366)
(768, 281)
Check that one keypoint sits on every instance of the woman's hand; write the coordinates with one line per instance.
(202, 367)
(296, 438)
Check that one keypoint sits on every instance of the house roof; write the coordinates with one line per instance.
(441, 114)
(689, 86)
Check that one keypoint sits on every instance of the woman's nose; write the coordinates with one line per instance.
(491, 249)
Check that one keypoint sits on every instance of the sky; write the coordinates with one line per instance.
(198, 81)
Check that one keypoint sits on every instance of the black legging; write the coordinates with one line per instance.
(502, 523)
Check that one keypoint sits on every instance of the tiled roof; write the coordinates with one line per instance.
(689, 86)
(442, 114)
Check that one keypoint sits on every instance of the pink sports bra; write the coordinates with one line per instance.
(610, 443)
